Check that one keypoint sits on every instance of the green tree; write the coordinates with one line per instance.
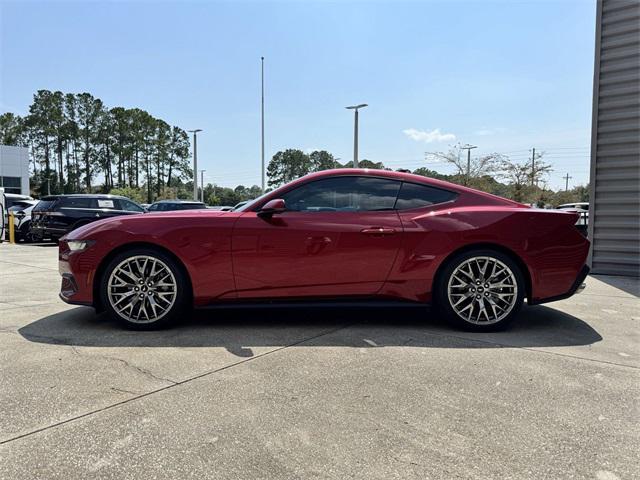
(364, 163)
(287, 166)
(322, 160)
(90, 110)
(12, 130)
(179, 156)
(522, 178)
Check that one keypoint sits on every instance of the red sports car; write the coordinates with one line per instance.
(348, 234)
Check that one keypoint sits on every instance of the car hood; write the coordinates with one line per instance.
(122, 222)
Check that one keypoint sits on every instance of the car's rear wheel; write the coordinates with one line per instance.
(144, 289)
(480, 290)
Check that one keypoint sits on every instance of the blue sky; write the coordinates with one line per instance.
(505, 76)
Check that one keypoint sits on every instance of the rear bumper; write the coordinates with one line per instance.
(577, 287)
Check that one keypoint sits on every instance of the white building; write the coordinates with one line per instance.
(14, 169)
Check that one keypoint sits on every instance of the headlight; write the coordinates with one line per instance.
(79, 245)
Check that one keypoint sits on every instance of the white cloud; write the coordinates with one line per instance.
(427, 136)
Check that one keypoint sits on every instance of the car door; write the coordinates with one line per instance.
(338, 236)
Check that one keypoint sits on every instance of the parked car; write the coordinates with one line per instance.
(22, 223)
(582, 208)
(576, 205)
(12, 200)
(348, 234)
(170, 205)
(240, 204)
(221, 208)
(57, 215)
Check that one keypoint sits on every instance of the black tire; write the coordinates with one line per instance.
(182, 290)
(483, 298)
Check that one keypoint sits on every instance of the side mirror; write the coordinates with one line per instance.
(19, 214)
(272, 207)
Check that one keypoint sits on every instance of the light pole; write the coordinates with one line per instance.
(468, 148)
(355, 108)
(195, 162)
(202, 185)
(262, 118)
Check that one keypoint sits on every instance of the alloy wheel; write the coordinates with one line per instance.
(142, 289)
(482, 290)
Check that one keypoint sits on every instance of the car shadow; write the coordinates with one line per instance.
(238, 330)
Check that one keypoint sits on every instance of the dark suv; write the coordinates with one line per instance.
(55, 216)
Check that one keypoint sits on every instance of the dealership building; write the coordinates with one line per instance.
(14, 169)
(614, 223)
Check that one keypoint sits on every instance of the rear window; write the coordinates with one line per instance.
(413, 195)
(76, 202)
(45, 205)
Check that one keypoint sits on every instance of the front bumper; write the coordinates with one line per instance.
(577, 287)
(77, 272)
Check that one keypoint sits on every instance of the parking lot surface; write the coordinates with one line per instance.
(315, 393)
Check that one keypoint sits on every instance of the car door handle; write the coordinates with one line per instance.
(378, 231)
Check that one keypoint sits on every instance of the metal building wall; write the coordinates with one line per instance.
(615, 143)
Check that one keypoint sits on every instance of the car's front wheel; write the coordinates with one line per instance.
(480, 290)
(144, 289)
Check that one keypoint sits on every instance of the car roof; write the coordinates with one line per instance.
(18, 196)
(49, 198)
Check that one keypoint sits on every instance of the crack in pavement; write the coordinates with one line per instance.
(39, 267)
(125, 363)
(167, 387)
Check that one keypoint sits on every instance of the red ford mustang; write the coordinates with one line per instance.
(344, 234)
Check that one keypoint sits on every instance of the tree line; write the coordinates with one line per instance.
(78, 144)
(522, 181)
(74, 139)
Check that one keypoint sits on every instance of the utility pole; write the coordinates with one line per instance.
(355, 108)
(202, 185)
(195, 162)
(533, 166)
(262, 119)
(468, 148)
(566, 182)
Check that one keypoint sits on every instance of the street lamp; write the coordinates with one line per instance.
(195, 162)
(355, 108)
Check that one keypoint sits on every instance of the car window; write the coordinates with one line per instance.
(154, 207)
(76, 202)
(129, 206)
(343, 194)
(413, 195)
(192, 206)
(44, 205)
(109, 203)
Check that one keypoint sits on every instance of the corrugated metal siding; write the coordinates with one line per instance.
(615, 149)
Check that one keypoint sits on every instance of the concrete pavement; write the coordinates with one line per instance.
(323, 393)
